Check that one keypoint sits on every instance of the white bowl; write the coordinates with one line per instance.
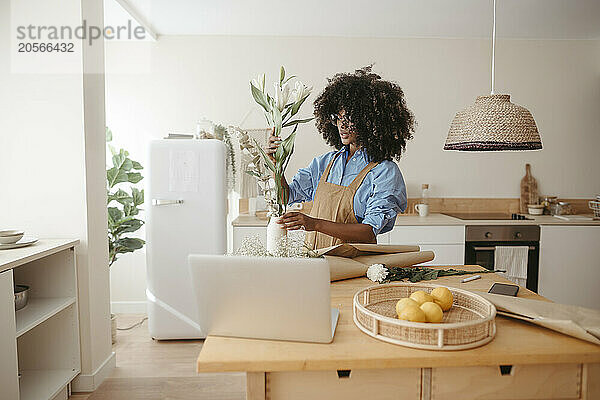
(536, 211)
(10, 236)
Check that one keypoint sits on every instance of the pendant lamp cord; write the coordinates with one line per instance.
(494, 47)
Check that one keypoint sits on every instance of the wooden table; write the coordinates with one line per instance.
(522, 362)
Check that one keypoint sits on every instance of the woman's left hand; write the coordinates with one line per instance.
(295, 220)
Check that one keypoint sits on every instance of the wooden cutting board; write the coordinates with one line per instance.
(529, 190)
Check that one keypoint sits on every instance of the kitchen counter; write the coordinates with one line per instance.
(12, 258)
(541, 358)
(441, 219)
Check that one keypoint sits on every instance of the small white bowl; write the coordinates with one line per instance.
(10, 236)
(535, 209)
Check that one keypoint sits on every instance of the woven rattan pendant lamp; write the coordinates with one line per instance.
(493, 123)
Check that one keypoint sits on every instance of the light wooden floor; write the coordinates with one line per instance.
(150, 369)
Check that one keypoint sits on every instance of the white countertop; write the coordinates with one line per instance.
(441, 219)
(11, 258)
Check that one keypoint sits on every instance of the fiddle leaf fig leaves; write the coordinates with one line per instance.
(134, 177)
(122, 161)
(137, 196)
(121, 197)
(115, 176)
(123, 204)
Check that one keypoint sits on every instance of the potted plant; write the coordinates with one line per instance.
(123, 202)
(279, 110)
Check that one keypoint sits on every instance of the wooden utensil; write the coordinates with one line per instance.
(529, 190)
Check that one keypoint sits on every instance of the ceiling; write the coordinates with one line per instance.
(527, 19)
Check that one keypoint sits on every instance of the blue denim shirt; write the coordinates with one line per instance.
(380, 197)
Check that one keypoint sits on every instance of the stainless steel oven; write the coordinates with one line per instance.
(481, 242)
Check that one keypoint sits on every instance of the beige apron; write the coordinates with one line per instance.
(334, 203)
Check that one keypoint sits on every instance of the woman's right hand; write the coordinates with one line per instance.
(272, 145)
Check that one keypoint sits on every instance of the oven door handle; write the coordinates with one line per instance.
(492, 248)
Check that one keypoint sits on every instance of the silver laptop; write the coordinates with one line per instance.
(264, 297)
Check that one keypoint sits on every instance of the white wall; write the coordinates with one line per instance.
(52, 176)
(177, 80)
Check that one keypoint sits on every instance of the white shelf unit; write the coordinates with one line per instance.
(39, 310)
(45, 333)
(44, 384)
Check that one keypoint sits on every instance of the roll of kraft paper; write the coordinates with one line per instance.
(351, 250)
(352, 260)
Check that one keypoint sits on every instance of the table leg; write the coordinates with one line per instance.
(255, 386)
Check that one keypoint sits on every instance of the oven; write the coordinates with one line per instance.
(481, 242)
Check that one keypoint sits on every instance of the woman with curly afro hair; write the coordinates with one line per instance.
(357, 190)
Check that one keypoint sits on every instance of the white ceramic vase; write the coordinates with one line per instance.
(275, 233)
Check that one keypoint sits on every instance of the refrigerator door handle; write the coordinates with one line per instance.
(163, 202)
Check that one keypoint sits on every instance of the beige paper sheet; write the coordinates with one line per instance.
(582, 323)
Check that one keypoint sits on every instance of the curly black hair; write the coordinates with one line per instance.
(377, 109)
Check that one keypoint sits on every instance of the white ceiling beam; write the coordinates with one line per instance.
(138, 18)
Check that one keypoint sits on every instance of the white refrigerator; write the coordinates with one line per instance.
(186, 207)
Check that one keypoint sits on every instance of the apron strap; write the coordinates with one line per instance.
(353, 186)
(325, 174)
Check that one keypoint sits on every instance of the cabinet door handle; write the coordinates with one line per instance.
(163, 202)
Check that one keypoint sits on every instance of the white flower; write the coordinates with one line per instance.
(282, 95)
(301, 91)
(259, 82)
(377, 272)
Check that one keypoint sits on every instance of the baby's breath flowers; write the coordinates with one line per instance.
(252, 246)
(291, 245)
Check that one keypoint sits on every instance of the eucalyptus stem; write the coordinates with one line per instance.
(416, 274)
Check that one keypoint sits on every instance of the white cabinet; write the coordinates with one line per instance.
(428, 234)
(40, 342)
(9, 382)
(569, 270)
(384, 238)
(447, 242)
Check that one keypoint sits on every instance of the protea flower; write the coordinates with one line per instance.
(377, 273)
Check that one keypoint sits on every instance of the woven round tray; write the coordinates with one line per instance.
(469, 323)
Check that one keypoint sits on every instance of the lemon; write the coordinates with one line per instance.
(403, 303)
(433, 312)
(421, 297)
(442, 297)
(413, 314)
